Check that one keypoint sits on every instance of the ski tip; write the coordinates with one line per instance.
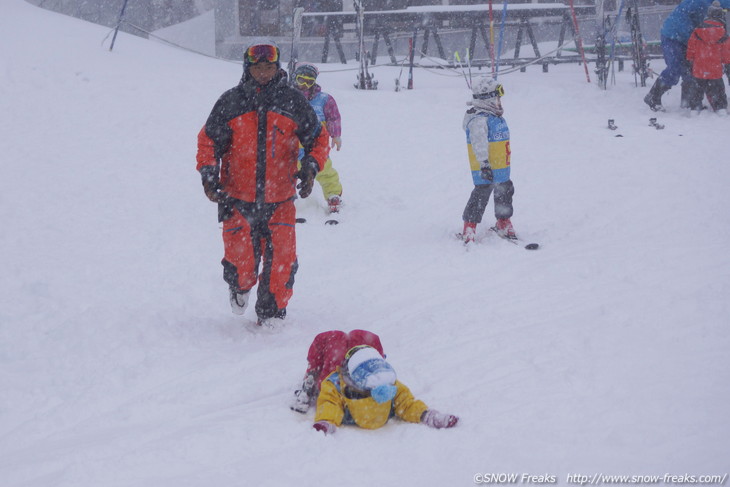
(532, 246)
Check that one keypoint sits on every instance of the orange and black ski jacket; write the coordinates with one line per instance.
(253, 134)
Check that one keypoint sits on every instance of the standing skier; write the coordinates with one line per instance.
(487, 138)
(324, 104)
(677, 27)
(247, 157)
(708, 50)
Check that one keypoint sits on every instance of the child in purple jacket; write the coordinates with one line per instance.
(305, 80)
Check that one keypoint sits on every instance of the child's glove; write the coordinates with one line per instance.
(486, 171)
(435, 419)
(325, 427)
(337, 142)
(306, 174)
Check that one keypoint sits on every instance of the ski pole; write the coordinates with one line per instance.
(468, 63)
(119, 22)
(501, 37)
(463, 71)
(579, 41)
(412, 46)
(491, 37)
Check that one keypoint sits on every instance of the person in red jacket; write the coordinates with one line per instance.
(247, 158)
(708, 50)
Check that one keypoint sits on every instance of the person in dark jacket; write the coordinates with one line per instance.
(708, 50)
(677, 27)
(247, 158)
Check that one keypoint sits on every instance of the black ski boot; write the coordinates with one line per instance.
(654, 97)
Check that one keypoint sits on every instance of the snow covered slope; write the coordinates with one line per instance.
(606, 351)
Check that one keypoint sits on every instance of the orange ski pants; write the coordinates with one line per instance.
(260, 246)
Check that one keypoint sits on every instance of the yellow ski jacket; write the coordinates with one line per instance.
(333, 406)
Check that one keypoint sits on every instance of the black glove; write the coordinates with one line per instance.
(306, 174)
(212, 185)
(486, 171)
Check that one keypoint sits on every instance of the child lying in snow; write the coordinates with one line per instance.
(351, 382)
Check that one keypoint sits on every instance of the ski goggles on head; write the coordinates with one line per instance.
(304, 80)
(499, 91)
(262, 53)
(354, 349)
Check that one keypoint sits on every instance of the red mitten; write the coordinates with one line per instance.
(435, 419)
(325, 427)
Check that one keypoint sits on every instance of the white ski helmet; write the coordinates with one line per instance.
(486, 88)
(486, 94)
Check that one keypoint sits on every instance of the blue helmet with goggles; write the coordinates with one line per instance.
(365, 370)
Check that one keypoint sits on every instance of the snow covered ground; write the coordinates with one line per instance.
(604, 352)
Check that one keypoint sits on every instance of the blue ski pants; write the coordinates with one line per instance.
(675, 57)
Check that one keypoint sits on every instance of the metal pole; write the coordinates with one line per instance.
(579, 41)
(491, 37)
(119, 22)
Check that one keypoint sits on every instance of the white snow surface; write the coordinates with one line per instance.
(603, 352)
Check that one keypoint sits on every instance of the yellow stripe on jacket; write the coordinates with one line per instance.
(499, 156)
(487, 138)
(333, 406)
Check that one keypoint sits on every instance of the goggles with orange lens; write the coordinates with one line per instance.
(307, 81)
(262, 53)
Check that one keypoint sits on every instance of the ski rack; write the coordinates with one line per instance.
(609, 30)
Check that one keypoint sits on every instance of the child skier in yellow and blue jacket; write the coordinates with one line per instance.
(325, 106)
(488, 145)
(364, 391)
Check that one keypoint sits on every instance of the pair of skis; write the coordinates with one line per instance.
(513, 240)
(295, 37)
(329, 221)
(638, 51)
(365, 80)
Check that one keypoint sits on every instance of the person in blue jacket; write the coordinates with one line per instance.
(490, 156)
(677, 28)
